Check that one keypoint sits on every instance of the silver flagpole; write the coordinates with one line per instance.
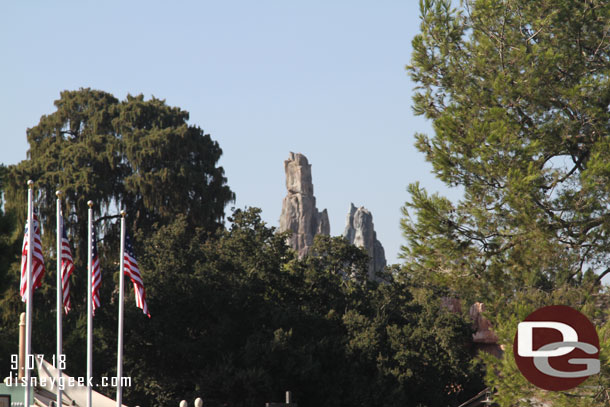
(28, 304)
(119, 366)
(89, 307)
(59, 297)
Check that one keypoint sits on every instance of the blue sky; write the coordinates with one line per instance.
(323, 78)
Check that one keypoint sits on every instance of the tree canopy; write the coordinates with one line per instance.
(518, 93)
(241, 320)
(141, 155)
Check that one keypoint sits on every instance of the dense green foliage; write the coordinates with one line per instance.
(139, 155)
(518, 94)
(9, 253)
(237, 319)
(266, 322)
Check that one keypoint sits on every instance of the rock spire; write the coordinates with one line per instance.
(299, 212)
(360, 231)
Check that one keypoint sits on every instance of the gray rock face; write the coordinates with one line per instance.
(360, 232)
(299, 212)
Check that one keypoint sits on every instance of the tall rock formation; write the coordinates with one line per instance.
(360, 232)
(299, 212)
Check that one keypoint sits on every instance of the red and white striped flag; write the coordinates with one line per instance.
(67, 267)
(96, 274)
(37, 260)
(131, 269)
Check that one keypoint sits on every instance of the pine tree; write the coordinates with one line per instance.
(518, 94)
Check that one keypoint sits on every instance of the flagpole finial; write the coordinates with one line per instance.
(90, 203)
(30, 184)
(58, 193)
(123, 213)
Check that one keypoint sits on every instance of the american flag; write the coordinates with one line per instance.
(37, 260)
(131, 269)
(96, 274)
(67, 267)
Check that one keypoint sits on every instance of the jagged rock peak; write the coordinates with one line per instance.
(299, 212)
(298, 174)
(360, 231)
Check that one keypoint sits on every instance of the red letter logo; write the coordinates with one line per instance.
(556, 348)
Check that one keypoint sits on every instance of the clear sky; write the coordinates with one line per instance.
(263, 78)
